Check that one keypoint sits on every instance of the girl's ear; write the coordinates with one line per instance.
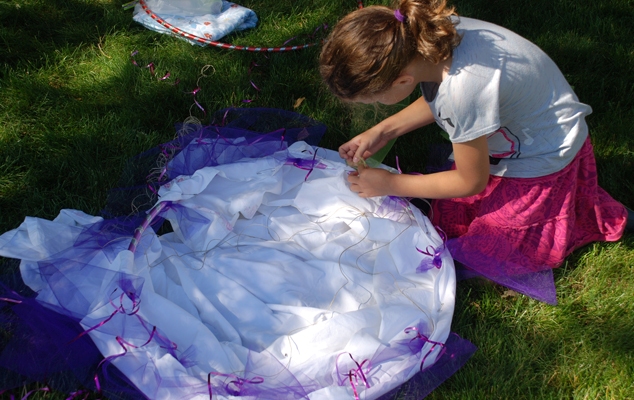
(404, 79)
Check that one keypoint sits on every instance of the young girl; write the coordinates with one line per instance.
(522, 193)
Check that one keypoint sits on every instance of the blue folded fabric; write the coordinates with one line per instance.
(198, 29)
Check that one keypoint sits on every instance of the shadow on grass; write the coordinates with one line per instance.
(32, 31)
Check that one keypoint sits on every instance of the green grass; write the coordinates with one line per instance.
(74, 109)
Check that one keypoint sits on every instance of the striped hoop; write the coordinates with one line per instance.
(222, 45)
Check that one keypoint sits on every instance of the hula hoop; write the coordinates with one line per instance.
(138, 232)
(222, 45)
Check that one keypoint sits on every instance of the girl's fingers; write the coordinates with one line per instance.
(358, 155)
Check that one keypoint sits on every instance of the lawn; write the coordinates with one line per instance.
(78, 100)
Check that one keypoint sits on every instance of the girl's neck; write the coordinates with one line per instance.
(424, 71)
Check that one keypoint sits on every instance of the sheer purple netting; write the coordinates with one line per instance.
(262, 131)
(66, 347)
(457, 352)
(539, 285)
(53, 344)
(263, 377)
(44, 347)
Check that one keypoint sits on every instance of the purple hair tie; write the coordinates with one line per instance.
(398, 15)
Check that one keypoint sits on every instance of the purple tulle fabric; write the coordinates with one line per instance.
(456, 353)
(539, 285)
(45, 349)
(49, 346)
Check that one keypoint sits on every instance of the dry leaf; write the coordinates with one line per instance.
(299, 102)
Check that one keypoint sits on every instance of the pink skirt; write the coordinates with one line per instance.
(518, 229)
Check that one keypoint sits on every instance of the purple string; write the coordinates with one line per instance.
(151, 67)
(224, 118)
(312, 168)
(163, 342)
(123, 343)
(288, 41)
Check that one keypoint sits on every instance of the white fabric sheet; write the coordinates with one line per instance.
(282, 271)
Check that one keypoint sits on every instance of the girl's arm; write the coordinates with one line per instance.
(362, 146)
(470, 177)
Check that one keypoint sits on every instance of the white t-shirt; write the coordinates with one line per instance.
(503, 86)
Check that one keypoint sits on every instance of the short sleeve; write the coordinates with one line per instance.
(473, 101)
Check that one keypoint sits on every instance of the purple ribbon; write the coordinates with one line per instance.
(305, 164)
(167, 151)
(10, 300)
(123, 343)
(193, 93)
(128, 291)
(253, 65)
(75, 395)
(118, 309)
(425, 339)
(44, 389)
(152, 69)
(311, 36)
(434, 253)
(354, 374)
(28, 394)
(234, 386)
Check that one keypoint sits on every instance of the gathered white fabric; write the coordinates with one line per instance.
(277, 280)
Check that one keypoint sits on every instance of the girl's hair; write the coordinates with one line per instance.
(370, 47)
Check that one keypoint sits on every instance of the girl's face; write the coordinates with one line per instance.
(398, 92)
(417, 71)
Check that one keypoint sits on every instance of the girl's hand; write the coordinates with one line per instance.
(370, 182)
(363, 145)
(469, 177)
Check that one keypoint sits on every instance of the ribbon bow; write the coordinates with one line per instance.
(306, 164)
(425, 339)
(434, 253)
(354, 374)
(233, 387)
